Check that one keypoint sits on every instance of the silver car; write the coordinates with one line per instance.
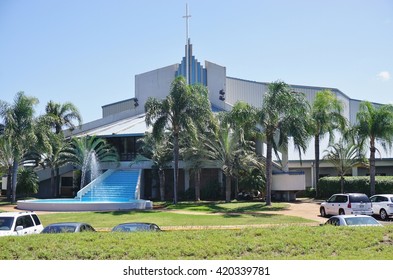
(382, 205)
(67, 227)
(352, 220)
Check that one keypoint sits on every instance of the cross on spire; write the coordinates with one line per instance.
(187, 16)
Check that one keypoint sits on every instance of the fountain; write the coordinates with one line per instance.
(94, 202)
(91, 168)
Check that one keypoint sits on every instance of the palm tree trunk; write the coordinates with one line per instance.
(161, 175)
(57, 182)
(372, 168)
(15, 167)
(227, 188)
(269, 147)
(316, 147)
(198, 184)
(176, 167)
(52, 182)
(9, 183)
(342, 183)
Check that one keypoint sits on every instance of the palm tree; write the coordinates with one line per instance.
(194, 153)
(180, 112)
(19, 128)
(283, 114)
(326, 116)
(57, 117)
(160, 152)
(83, 153)
(243, 116)
(53, 158)
(229, 150)
(6, 161)
(62, 115)
(344, 156)
(375, 124)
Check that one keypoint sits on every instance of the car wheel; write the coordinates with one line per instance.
(383, 214)
(322, 211)
(341, 212)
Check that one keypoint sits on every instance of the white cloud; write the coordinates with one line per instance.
(384, 75)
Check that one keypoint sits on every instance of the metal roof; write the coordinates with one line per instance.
(131, 126)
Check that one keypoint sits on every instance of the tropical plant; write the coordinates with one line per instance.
(344, 156)
(242, 116)
(160, 153)
(54, 157)
(6, 161)
(62, 115)
(182, 111)
(229, 151)
(194, 153)
(28, 182)
(375, 125)
(19, 128)
(84, 152)
(326, 117)
(283, 114)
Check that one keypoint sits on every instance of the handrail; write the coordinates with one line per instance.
(137, 188)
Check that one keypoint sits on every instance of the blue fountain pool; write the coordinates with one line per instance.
(72, 204)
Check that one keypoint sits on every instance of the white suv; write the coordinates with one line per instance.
(346, 203)
(382, 205)
(19, 223)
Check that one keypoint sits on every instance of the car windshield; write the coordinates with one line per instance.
(6, 223)
(132, 227)
(59, 229)
(359, 221)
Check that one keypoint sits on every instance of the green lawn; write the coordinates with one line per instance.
(104, 220)
(285, 238)
(272, 243)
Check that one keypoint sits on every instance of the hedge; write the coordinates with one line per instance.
(331, 185)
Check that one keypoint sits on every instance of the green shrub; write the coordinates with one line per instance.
(331, 185)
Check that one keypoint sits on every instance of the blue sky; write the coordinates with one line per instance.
(88, 51)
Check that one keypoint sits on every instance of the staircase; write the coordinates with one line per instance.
(119, 186)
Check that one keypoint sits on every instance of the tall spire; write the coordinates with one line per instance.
(187, 16)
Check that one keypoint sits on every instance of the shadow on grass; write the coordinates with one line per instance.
(221, 207)
(128, 213)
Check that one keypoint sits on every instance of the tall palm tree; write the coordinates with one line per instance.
(326, 117)
(344, 156)
(160, 153)
(283, 114)
(59, 116)
(19, 128)
(180, 112)
(84, 152)
(375, 124)
(62, 115)
(229, 150)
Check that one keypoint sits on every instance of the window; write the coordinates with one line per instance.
(341, 198)
(24, 221)
(36, 220)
